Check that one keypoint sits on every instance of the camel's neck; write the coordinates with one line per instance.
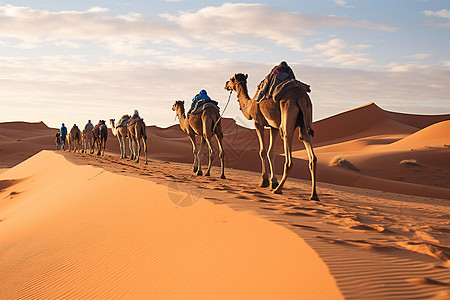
(245, 102)
(114, 129)
(183, 120)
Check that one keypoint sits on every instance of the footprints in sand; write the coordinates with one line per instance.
(385, 224)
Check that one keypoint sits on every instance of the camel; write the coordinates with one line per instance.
(137, 131)
(100, 134)
(293, 110)
(87, 141)
(74, 139)
(205, 125)
(122, 134)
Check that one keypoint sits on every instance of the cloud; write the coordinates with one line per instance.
(230, 27)
(419, 56)
(250, 21)
(443, 13)
(398, 67)
(344, 54)
(342, 3)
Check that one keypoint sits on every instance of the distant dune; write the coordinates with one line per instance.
(374, 139)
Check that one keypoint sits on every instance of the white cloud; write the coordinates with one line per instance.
(250, 21)
(419, 56)
(229, 27)
(342, 3)
(398, 67)
(443, 13)
(342, 53)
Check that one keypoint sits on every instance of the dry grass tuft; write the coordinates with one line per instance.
(410, 163)
(340, 161)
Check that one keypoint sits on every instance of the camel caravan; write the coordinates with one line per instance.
(281, 103)
(93, 139)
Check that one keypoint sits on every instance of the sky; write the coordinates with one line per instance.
(70, 61)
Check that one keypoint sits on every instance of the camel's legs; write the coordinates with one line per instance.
(262, 155)
(93, 146)
(124, 145)
(99, 152)
(194, 152)
(207, 137)
(221, 157)
(307, 141)
(130, 142)
(138, 145)
(271, 156)
(144, 143)
(199, 156)
(132, 147)
(120, 139)
(288, 124)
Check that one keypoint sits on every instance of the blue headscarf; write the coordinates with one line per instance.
(200, 96)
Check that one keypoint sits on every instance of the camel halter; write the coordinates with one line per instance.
(228, 102)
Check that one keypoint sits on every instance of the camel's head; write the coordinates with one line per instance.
(112, 121)
(238, 78)
(178, 105)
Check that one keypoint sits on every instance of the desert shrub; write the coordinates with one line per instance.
(340, 161)
(410, 163)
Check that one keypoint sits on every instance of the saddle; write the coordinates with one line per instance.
(133, 120)
(285, 86)
(203, 104)
(123, 121)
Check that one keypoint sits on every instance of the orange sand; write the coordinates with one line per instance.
(82, 232)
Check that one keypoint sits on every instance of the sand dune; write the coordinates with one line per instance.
(436, 135)
(81, 232)
(81, 229)
(21, 140)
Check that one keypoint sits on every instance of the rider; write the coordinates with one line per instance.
(277, 75)
(89, 126)
(134, 118)
(58, 140)
(63, 131)
(203, 95)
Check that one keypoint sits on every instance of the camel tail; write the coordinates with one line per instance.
(217, 126)
(143, 129)
(305, 105)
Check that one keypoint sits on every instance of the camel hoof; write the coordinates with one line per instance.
(223, 177)
(264, 183)
(314, 198)
(274, 185)
(207, 174)
(277, 191)
(195, 169)
(199, 173)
